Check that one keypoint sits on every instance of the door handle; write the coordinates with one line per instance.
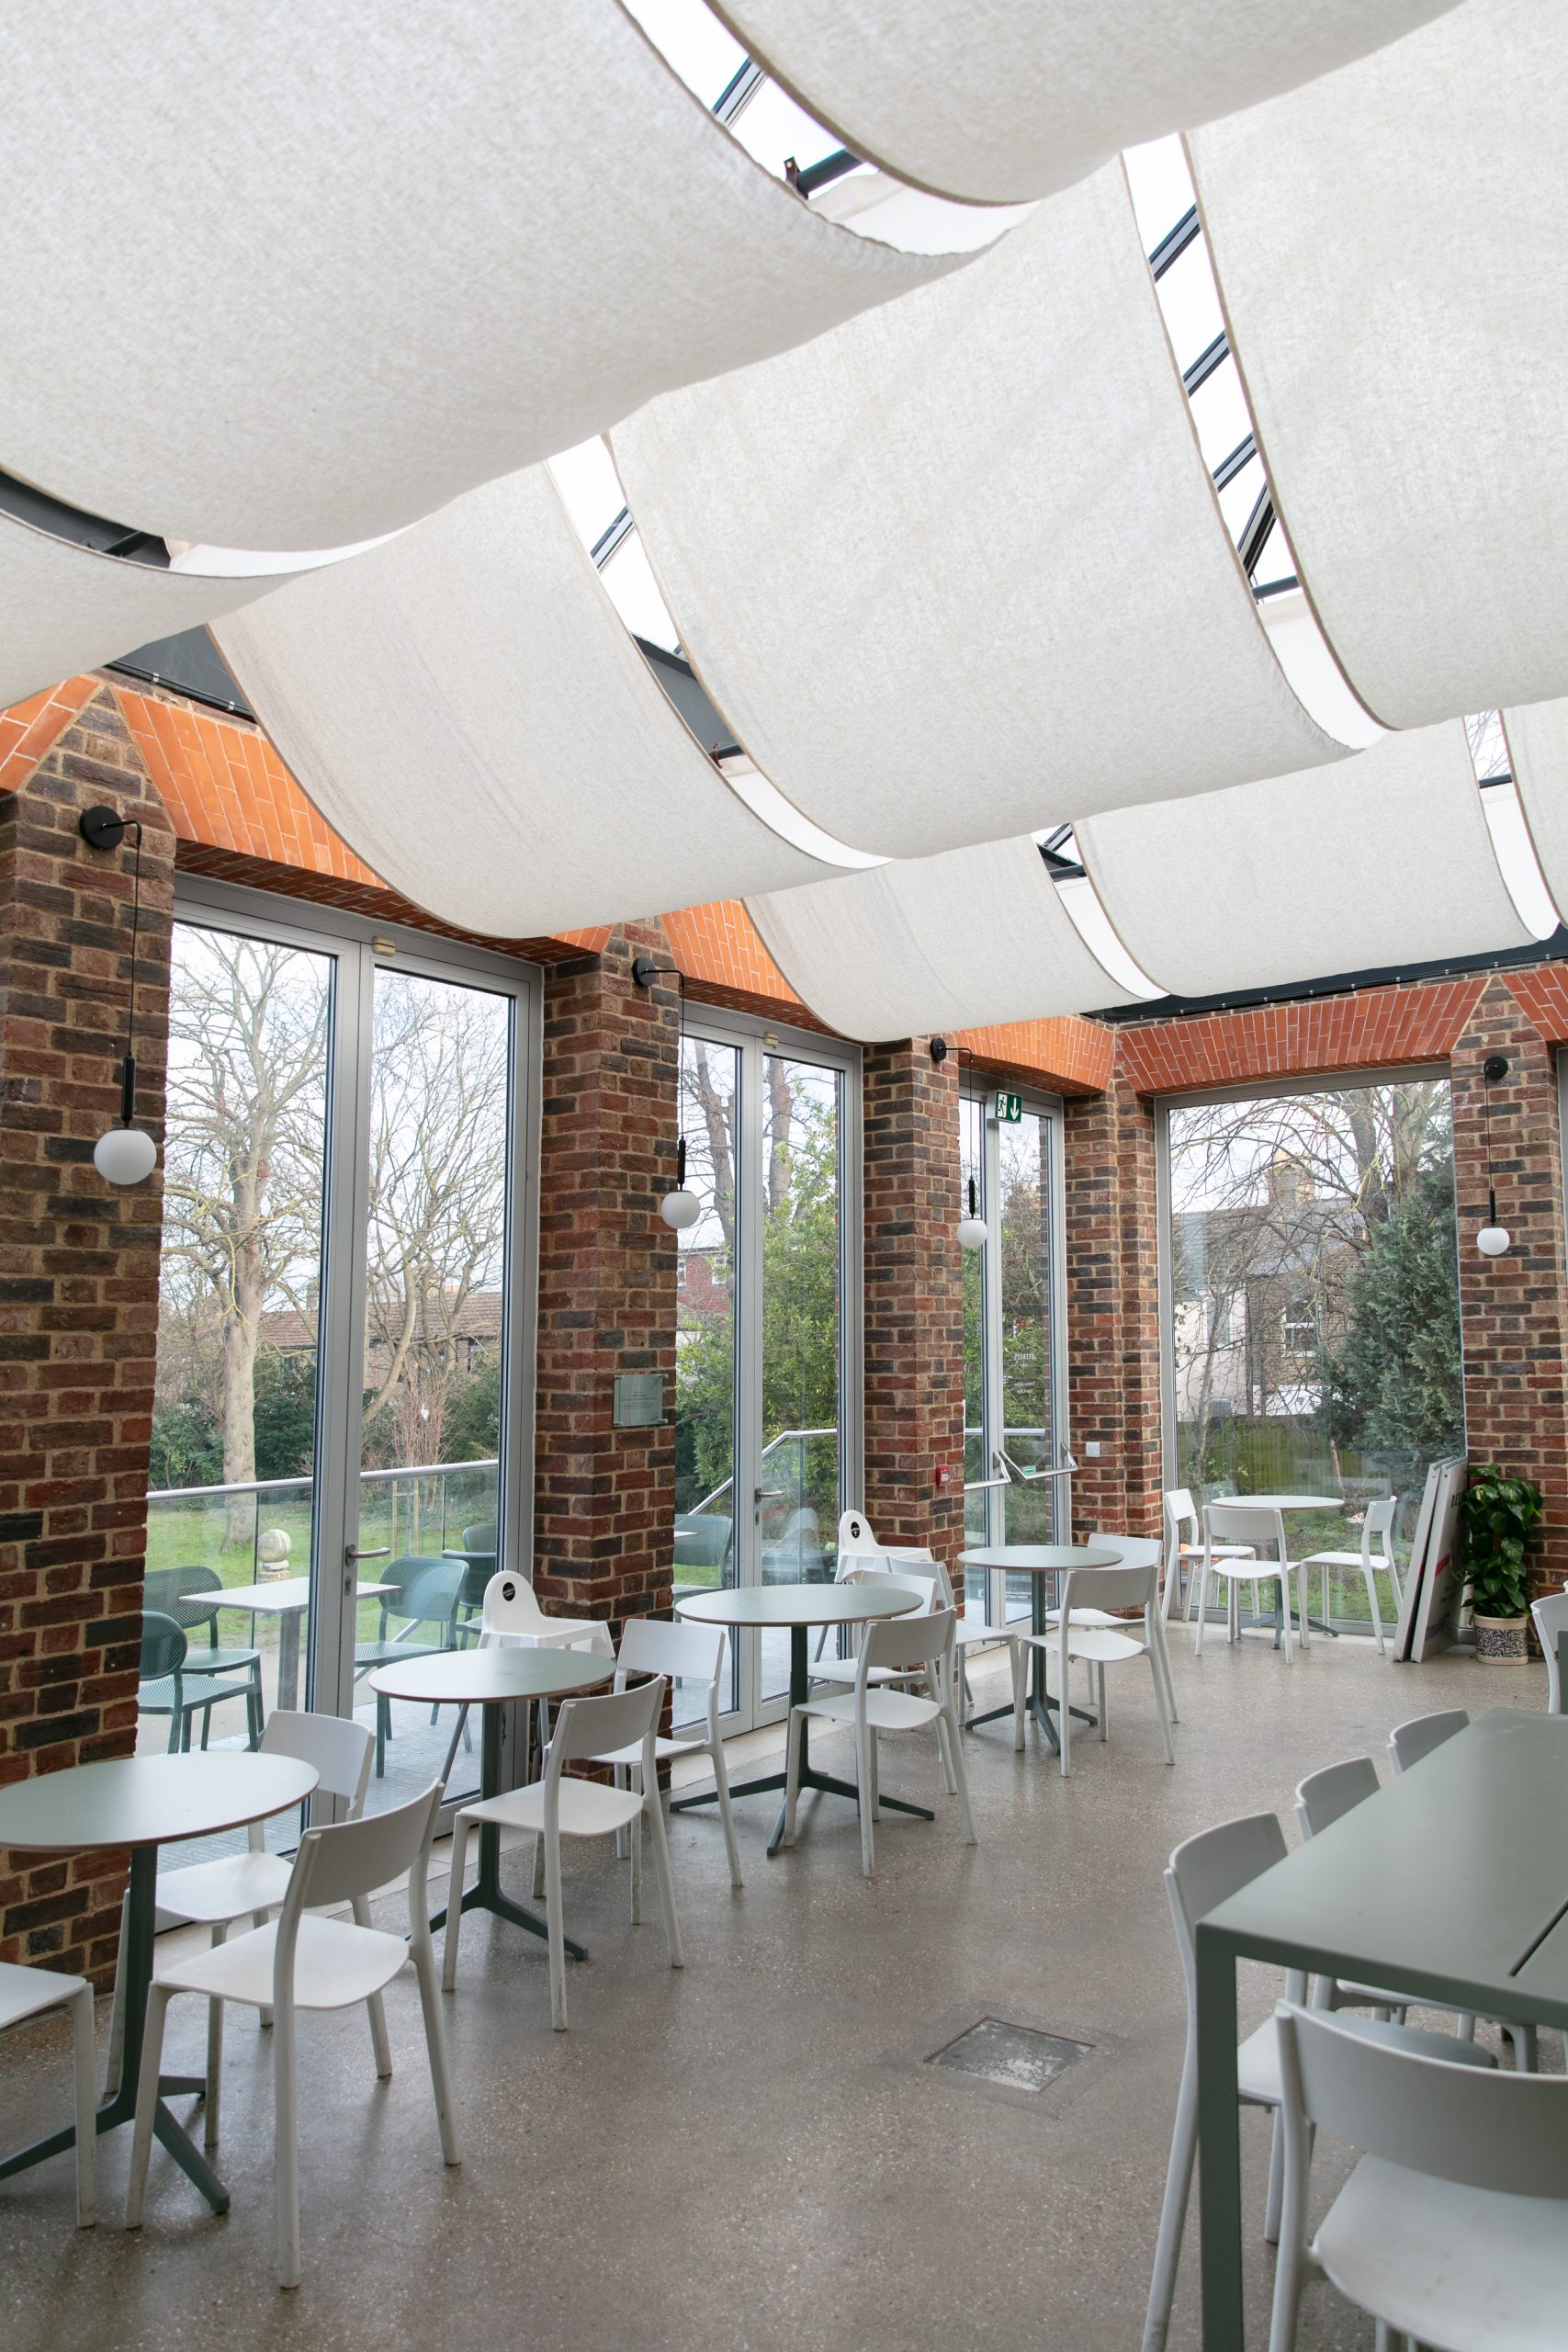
(352, 1555)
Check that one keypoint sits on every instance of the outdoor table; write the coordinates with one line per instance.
(1038, 1560)
(800, 1607)
(491, 1680)
(144, 1801)
(1282, 1503)
(1451, 1884)
(287, 1598)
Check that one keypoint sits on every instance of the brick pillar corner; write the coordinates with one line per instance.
(913, 1298)
(605, 1497)
(1113, 1353)
(1513, 1310)
(78, 1300)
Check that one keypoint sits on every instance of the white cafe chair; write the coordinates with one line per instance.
(555, 1807)
(1090, 1633)
(1377, 1528)
(1133, 1552)
(1409, 1742)
(682, 1652)
(1184, 1549)
(1551, 1615)
(1247, 1525)
(1203, 1872)
(32, 1993)
(1453, 2228)
(302, 1961)
(858, 1548)
(899, 1644)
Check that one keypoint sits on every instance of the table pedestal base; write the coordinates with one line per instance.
(765, 1785)
(136, 1964)
(1041, 1704)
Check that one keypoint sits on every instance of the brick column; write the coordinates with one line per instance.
(605, 1497)
(1513, 1310)
(1113, 1386)
(78, 1300)
(914, 1298)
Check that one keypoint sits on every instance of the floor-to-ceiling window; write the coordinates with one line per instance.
(767, 1382)
(1009, 1147)
(1311, 1305)
(343, 1318)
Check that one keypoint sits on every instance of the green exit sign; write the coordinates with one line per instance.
(1010, 1110)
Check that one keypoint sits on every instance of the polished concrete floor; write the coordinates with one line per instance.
(754, 2154)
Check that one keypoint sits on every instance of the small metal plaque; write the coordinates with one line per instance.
(1016, 2056)
(639, 1400)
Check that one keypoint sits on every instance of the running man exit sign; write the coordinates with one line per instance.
(1010, 1110)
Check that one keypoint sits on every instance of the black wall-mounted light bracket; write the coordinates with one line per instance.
(1494, 1068)
(102, 827)
(939, 1049)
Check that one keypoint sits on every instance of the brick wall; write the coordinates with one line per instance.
(1112, 1312)
(78, 1300)
(1513, 1309)
(605, 1497)
(914, 1298)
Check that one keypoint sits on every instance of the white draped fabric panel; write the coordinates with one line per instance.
(956, 571)
(64, 608)
(464, 708)
(293, 276)
(1384, 860)
(1390, 250)
(1538, 753)
(1003, 99)
(955, 941)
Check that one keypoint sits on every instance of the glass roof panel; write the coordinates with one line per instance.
(689, 36)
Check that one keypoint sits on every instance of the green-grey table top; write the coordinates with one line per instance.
(149, 1800)
(1040, 1559)
(1451, 1882)
(491, 1678)
(795, 1604)
(1280, 1503)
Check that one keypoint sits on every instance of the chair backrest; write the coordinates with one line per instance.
(1124, 1587)
(340, 1748)
(1180, 1515)
(1207, 1870)
(891, 1580)
(163, 1645)
(1132, 1551)
(680, 1649)
(1242, 1523)
(480, 1537)
(1378, 1528)
(919, 1639)
(1475, 2125)
(1551, 1615)
(347, 1860)
(430, 1596)
(595, 1726)
(510, 1606)
(164, 1589)
(1324, 1797)
(1407, 1743)
(705, 1539)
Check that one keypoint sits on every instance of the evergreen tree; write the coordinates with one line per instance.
(1393, 1382)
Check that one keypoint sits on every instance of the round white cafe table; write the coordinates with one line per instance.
(145, 1802)
(1037, 1560)
(1281, 1503)
(798, 1607)
(491, 1680)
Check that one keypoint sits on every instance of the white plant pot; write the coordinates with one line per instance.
(1502, 1641)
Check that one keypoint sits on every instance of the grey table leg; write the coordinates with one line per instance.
(289, 1658)
(1219, 2143)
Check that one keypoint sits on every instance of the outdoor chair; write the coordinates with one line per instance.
(214, 1894)
(1090, 1630)
(1232, 1532)
(303, 1961)
(421, 1592)
(1184, 1549)
(587, 1730)
(1408, 1742)
(703, 1552)
(797, 1556)
(1323, 1798)
(1203, 1872)
(899, 1644)
(1453, 2228)
(164, 1591)
(168, 1687)
(1551, 1615)
(477, 1552)
(1377, 1529)
(32, 1993)
(682, 1653)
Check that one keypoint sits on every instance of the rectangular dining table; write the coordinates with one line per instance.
(1451, 1884)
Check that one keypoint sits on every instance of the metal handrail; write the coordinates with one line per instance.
(278, 1486)
(784, 1437)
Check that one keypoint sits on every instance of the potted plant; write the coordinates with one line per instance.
(1499, 1516)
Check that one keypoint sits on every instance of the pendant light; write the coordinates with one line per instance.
(126, 1154)
(681, 1208)
(1493, 1240)
(972, 1230)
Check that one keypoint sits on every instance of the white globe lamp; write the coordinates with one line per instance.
(972, 1230)
(681, 1208)
(125, 1155)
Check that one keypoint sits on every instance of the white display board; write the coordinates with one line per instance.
(1428, 1616)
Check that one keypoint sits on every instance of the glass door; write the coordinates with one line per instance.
(1013, 1330)
(767, 1441)
(344, 1332)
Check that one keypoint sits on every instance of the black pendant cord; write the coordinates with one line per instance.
(127, 1072)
